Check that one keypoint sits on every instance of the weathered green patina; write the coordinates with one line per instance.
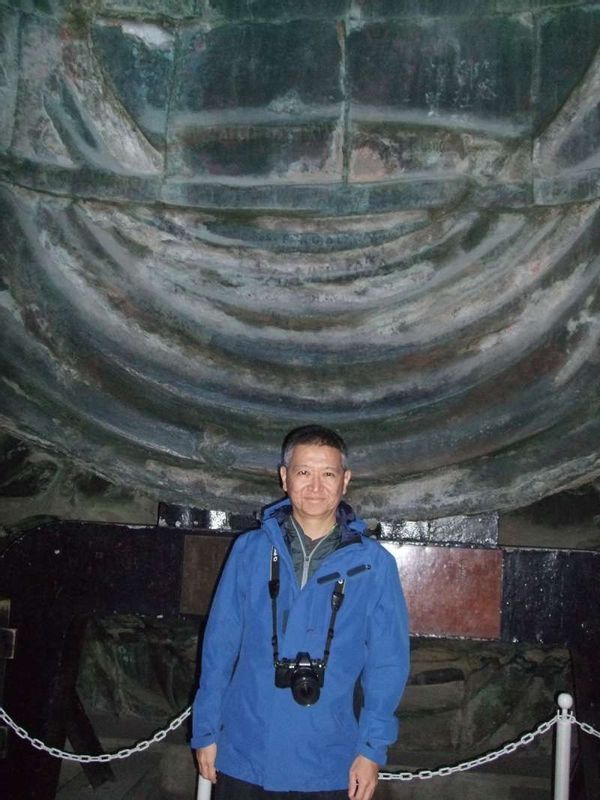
(223, 219)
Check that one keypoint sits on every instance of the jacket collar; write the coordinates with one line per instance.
(351, 526)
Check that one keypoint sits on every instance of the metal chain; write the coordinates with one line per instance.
(587, 728)
(104, 757)
(423, 774)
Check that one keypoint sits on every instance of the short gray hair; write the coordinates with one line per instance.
(312, 434)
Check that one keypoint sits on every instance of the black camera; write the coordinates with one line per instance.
(304, 676)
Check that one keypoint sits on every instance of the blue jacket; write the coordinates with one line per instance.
(263, 736)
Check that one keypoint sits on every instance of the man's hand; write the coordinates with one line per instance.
(206, 757)
(364, 775)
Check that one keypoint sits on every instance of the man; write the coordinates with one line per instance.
(307, 607)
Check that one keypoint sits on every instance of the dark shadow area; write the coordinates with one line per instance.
(463, 698)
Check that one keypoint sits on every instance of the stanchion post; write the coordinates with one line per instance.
(204, 789)
(562, 756)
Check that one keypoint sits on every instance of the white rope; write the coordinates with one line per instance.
(423, 774)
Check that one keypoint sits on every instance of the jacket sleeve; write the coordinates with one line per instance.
(386, 669)
(220, 649)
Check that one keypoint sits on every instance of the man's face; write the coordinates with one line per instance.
(315, 481)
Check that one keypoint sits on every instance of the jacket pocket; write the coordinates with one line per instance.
(357, 570)
(331, 576)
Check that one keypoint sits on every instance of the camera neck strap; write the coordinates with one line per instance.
(274, 592)
(337, 598)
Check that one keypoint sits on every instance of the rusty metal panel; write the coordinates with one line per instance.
(451, 591)
(203, 558)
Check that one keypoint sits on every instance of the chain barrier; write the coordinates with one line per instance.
(104, 757)
(585, 727)
(423, 774)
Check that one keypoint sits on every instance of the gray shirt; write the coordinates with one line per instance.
(308, 554)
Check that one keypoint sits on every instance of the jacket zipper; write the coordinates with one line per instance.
(306, 559)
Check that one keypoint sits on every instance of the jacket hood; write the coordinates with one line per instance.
(349, 523)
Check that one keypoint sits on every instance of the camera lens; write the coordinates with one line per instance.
(305, 686)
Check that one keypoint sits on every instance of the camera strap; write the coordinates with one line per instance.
(274, 592)
(337, 598)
